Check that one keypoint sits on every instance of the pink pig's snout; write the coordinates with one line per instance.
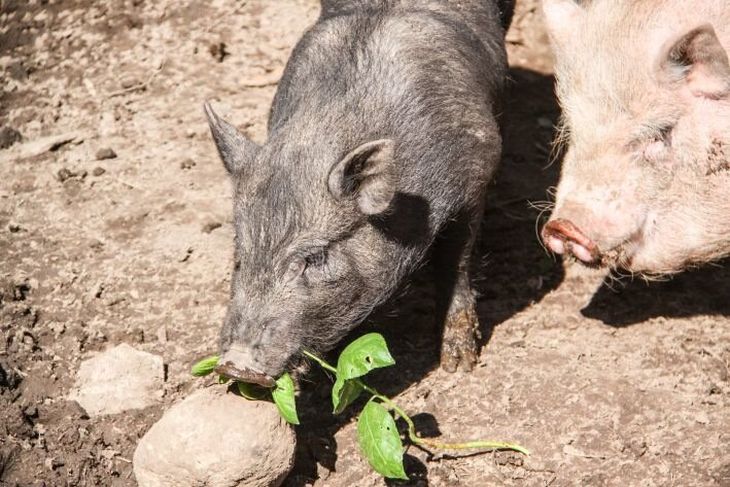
(563, 236)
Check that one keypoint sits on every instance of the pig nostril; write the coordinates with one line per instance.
(555, 244)
(562, 235)
(580, 252)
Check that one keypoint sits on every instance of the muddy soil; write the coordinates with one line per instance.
(115, 228)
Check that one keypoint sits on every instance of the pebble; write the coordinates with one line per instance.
(117, 380)
(105, 153)
(187, 164)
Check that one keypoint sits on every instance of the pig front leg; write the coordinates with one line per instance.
(457, 303)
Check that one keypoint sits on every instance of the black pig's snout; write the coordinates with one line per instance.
(232, 365)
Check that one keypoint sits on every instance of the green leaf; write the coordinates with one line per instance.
(380, 442)
(205, 366)
(363, 355)
(253, 392)
(285, 399)
(344, 393)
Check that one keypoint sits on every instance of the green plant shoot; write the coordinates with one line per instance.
(378, 436)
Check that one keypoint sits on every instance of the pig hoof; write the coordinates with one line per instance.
(459, 346)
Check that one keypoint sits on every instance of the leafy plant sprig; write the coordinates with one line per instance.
(377, 432)
(283, 393)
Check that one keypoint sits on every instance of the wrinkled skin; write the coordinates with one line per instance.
(645, 91)
(382, 138)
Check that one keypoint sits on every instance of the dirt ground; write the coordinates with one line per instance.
(607, 383)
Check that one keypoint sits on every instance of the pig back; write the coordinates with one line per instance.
(425, 74)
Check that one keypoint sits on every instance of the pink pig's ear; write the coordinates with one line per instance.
(560, 17)
(697, 59)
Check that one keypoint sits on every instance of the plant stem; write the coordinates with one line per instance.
(412, 435)
(320, 361)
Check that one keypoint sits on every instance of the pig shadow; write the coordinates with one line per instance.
(512, 271)
(702, 291)
(407, 220)
(516, 270)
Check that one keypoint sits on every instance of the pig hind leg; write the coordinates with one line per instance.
(452, 258)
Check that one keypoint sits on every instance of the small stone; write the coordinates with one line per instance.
(210, 226)
(8, 136)
(117, 380)
(105, 153)
(216, 438)
(13, 227)
(98, 171)
(64, 174)
(53, 463)
(30, 411)
(219, 51)
(187, 164)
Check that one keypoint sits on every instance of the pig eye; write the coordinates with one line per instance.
(313, 259)
(316, 258)
(659, 144)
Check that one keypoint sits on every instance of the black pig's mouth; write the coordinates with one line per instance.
(229, 370)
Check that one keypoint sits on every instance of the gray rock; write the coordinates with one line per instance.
(214, 438)
(105, 153)
(117, 380)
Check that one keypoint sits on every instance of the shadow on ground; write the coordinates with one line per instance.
(703, 291)
(515, 271)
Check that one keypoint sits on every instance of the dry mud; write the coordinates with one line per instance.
(607, 383)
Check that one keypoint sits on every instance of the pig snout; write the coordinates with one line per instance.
(563, 236)
(232, 365)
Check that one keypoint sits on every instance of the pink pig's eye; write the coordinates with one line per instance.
(659, 146)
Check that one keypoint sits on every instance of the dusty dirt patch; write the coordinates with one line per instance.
(606, 387)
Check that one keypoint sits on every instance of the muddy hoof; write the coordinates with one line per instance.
(459, 346)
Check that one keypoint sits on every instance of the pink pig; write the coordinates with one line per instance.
(645, 91)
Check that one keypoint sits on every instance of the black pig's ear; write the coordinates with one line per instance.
(235, 149)
(366, 174)
(697, 59)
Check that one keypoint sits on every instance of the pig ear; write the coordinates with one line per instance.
(235, 149)
(366, 174)
(698, 59)
(560, 16)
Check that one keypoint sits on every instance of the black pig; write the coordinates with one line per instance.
(382, 139)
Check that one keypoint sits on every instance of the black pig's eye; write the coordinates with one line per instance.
(312, 259)
(316, 258)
